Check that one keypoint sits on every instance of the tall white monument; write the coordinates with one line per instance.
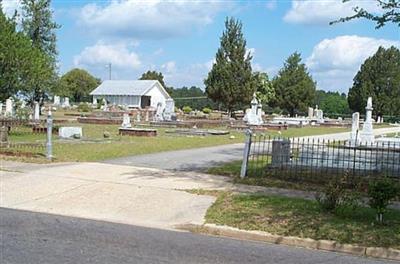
(355, 126)
(367, 133)
(310, 112)
(126, 121)
(159, 113)
(254, 115)
(36, 115)
(9, 107)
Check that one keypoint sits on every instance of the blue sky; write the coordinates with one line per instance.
(180, 38)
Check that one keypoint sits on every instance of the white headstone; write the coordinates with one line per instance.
(9, 107)
(159, 113)
(1, 108)
(69, 132)
(56, 101)
(66, 103)
(94, 100)
(355, 126)
(310, 112)
(378, 120)
(367, 133)
(169, 110)
(105, 106)
(126, 121)
(36, 115)
(253, 115)
(138, 117)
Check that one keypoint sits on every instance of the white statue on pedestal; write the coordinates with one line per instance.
(254, 115)
(367, 133)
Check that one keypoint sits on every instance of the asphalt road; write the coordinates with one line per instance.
(184, 160)
(201, 158)
(28, 237)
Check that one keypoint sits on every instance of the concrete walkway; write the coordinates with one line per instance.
(201, 158)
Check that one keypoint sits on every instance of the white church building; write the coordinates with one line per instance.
(132, 93)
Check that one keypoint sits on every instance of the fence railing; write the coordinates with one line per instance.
(318, 160)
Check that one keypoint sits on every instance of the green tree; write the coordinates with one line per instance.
(390, 13)
(265, 91)
(38, 25)
(153, 75)
(193, 97)
(332, 103)
(379, 78)
(294, 87)
(230, 81)
(77, 84)
(20, 63)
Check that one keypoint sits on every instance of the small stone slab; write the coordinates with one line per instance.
(139, 132)
(69, 132)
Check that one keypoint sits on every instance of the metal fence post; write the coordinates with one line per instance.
(246, 154)
(49, 145)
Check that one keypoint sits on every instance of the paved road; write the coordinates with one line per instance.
(200, 158)
(28, 237)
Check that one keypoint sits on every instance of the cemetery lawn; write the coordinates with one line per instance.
(94, 147)
(304, 218)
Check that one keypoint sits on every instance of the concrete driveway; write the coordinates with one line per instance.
(114, 193)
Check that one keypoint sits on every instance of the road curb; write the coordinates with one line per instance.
(328, 245)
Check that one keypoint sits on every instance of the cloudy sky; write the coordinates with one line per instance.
(180, 38)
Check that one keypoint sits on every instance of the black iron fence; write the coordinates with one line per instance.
(318, 160)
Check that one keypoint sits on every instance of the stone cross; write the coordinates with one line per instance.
(367, 133)
(126, 121)
(355, 126)
(36, 115)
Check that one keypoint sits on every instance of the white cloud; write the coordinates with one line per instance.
(100, 54)
(169, 66)
(10, 6)
(324, 11)
(156, 19)
(334, 62)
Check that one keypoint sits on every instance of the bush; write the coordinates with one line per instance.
(83, 107)
(207, 110)
(187, 109)
(336, 195)
(381, 192)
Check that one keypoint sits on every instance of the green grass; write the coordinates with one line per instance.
(232, 169)
(304, 218)
(94, 147)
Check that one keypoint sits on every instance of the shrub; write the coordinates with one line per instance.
(381, 192)
(83, 107)
(207, 110)
(336, 195)
(187, 109)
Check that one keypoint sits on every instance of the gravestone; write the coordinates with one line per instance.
(36, 115)
(94, 102)
(253, 115)
(126, 121)
(66, 103)
(367, 133)
(105, 106)
(378, 121)
(70, 132)
(169, 111)
(138, 117)
(56, 100)
(3, 134)
(159, 113)
(280, 151)
(310, 112)
(9, 107)
(1, 108)
(355, 126)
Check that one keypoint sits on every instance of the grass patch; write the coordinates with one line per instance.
(232, 169)
(304, 218)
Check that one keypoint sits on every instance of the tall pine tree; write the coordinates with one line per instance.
(38, 25)
(294, 87)
(230, 81)
(379, 78)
